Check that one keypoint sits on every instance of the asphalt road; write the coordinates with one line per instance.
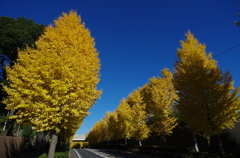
(96, 153)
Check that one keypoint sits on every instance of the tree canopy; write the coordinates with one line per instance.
(159, 95)
(207, 98)
(53, 86)
(15, 34)
(18, 33)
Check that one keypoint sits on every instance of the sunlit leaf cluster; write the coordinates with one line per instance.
(53, 86)
(160, 96)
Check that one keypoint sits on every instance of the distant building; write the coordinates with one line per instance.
(79, 138)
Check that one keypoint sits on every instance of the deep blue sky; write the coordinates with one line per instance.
(138, 38)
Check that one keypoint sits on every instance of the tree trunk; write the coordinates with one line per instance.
(195, 142)
(209, 144)
(18, 130)
(11, 122)
(220, 147)
(208, 140)
(140, 143)
(125, 141)
(53, 145)
(5, 123)
(60, 141)
(164, 139)
(12, 112)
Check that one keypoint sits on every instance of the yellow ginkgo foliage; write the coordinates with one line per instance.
(159, 96)
(207, 98)
(138, 116)
(125, 123)
(53, 86)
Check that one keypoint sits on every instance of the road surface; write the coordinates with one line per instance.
(97, 153)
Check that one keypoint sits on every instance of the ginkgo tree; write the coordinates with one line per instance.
(53, 86)
(145, 110)
(99, 132)
(138, 116)
(124, 121)
(112, 122)
(159, 95)
(103, 130)
(127, 121)
(207, 98)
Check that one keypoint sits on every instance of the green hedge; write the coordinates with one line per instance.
(61, 152)
(57, 155)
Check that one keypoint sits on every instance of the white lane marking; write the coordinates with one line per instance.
(79, 155)
(97, 153)
(104, 155)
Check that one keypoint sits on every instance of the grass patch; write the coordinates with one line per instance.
(61, 152)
